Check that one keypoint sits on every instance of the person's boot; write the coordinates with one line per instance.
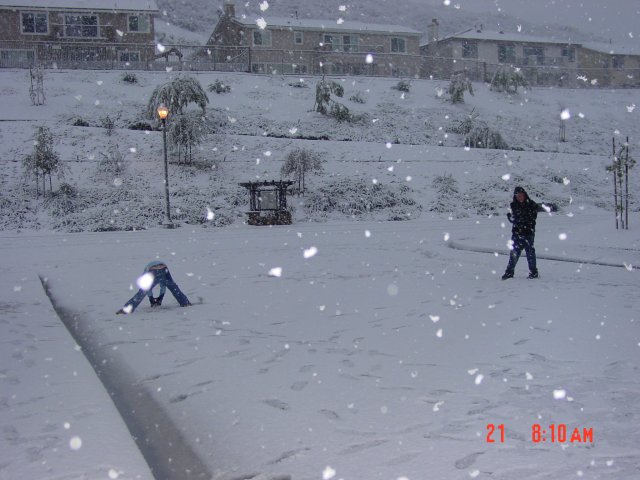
(507, 275)
(533, 274)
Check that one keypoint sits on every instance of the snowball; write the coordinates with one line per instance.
(145, 281)
(506, 176)
(565, 114)
(369, 58)
(562, 236)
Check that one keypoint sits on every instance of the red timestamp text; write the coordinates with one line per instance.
(552, 433)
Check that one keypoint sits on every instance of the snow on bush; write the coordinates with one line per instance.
(356, 198)
(482, 136)
(447, 195)
(176, 95)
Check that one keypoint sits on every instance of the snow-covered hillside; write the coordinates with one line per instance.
(403, 145)
(371, 339)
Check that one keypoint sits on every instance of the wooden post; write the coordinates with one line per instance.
(615, 183)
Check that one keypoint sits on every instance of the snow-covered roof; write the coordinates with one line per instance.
(328, 25)
(613, 49)
(128, 5)
(474, 34)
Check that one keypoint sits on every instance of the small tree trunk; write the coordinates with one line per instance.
(615, 184)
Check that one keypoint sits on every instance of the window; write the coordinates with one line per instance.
(534, 55)
(469, 49)
(35, 23)
(298, 38)
(139, 23)
(81, 26)
(350, 43)
(506, 54)
(332, 42)
(569, 53)
(261, 38)
(617, 62)
(398, 45)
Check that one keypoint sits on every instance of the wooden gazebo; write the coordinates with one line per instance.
(268, 202)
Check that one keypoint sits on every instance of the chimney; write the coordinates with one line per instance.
(229, 8)
(432, 31)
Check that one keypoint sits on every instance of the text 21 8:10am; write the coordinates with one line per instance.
(554, 433)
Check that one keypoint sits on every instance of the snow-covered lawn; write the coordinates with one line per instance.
(347, 347)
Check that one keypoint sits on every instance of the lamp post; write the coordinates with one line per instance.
(163, 112)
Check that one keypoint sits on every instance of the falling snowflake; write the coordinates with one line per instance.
(340, 21)
(439, 333)
(264, 5)
(519, 28)
(262, 23)
(275, 272)
(528, 376)
(161, 48)
(342, 8)
(436, 407)
(369, 58)
(388, 145)
(310, 252)
(367, 233)
(328, 473)
(439, 91)
(506, 177)
(75, 443)
(434, 318)
(392, 290)
(562, 236)
(631, 108)
(479, 379)
(113, 474)
(474, 473)
(566, 181)
(446, 237)
(293, 130)
(119, 32)
(559, 394)
(565, 114)
(210, 214)
(447, 2)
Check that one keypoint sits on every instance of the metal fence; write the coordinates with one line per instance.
(367, 61)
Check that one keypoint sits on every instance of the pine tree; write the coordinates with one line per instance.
(459, 84)
(328, 106)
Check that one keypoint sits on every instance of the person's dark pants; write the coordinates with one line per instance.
(160, 277)
(522, 242)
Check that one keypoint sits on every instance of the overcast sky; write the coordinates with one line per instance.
(615, 19)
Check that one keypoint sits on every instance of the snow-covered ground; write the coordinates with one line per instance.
(348, 346)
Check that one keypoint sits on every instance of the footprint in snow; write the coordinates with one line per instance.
(467, 461)
(275, 403)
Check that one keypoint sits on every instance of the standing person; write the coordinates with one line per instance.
(155, 273)
(523, 215)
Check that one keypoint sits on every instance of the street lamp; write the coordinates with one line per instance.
(163, 113)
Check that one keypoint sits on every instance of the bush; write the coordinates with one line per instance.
(62, 201)
(481, 136)
(402, 86)
(112, 163)
(130, 78)
(447, 195)
(357, 98)
(140, 125)
(108, 124)
(219, 87)
(79, 122)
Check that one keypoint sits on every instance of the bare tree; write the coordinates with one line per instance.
(298, 162)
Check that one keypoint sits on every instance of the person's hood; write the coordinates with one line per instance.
(519, 189)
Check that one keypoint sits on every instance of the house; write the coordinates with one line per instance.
(481, 53)
(67, 32)
(310, 46)
(608, 65)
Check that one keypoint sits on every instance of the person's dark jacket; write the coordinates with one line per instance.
(523, 214)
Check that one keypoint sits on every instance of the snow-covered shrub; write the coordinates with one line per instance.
(299, 84)
(109, 125)
(357, 97)
(403, 86)
(447, 196)
(328, 106)
(176, 95)
(219, 87)
(141, 125)
(129, 77)
(458, 85)
(80, 122)
(508, 79)
(463, 127)
(112, 163)
(482, 136)
(62, 201)
(298, 163)
(360, 197)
